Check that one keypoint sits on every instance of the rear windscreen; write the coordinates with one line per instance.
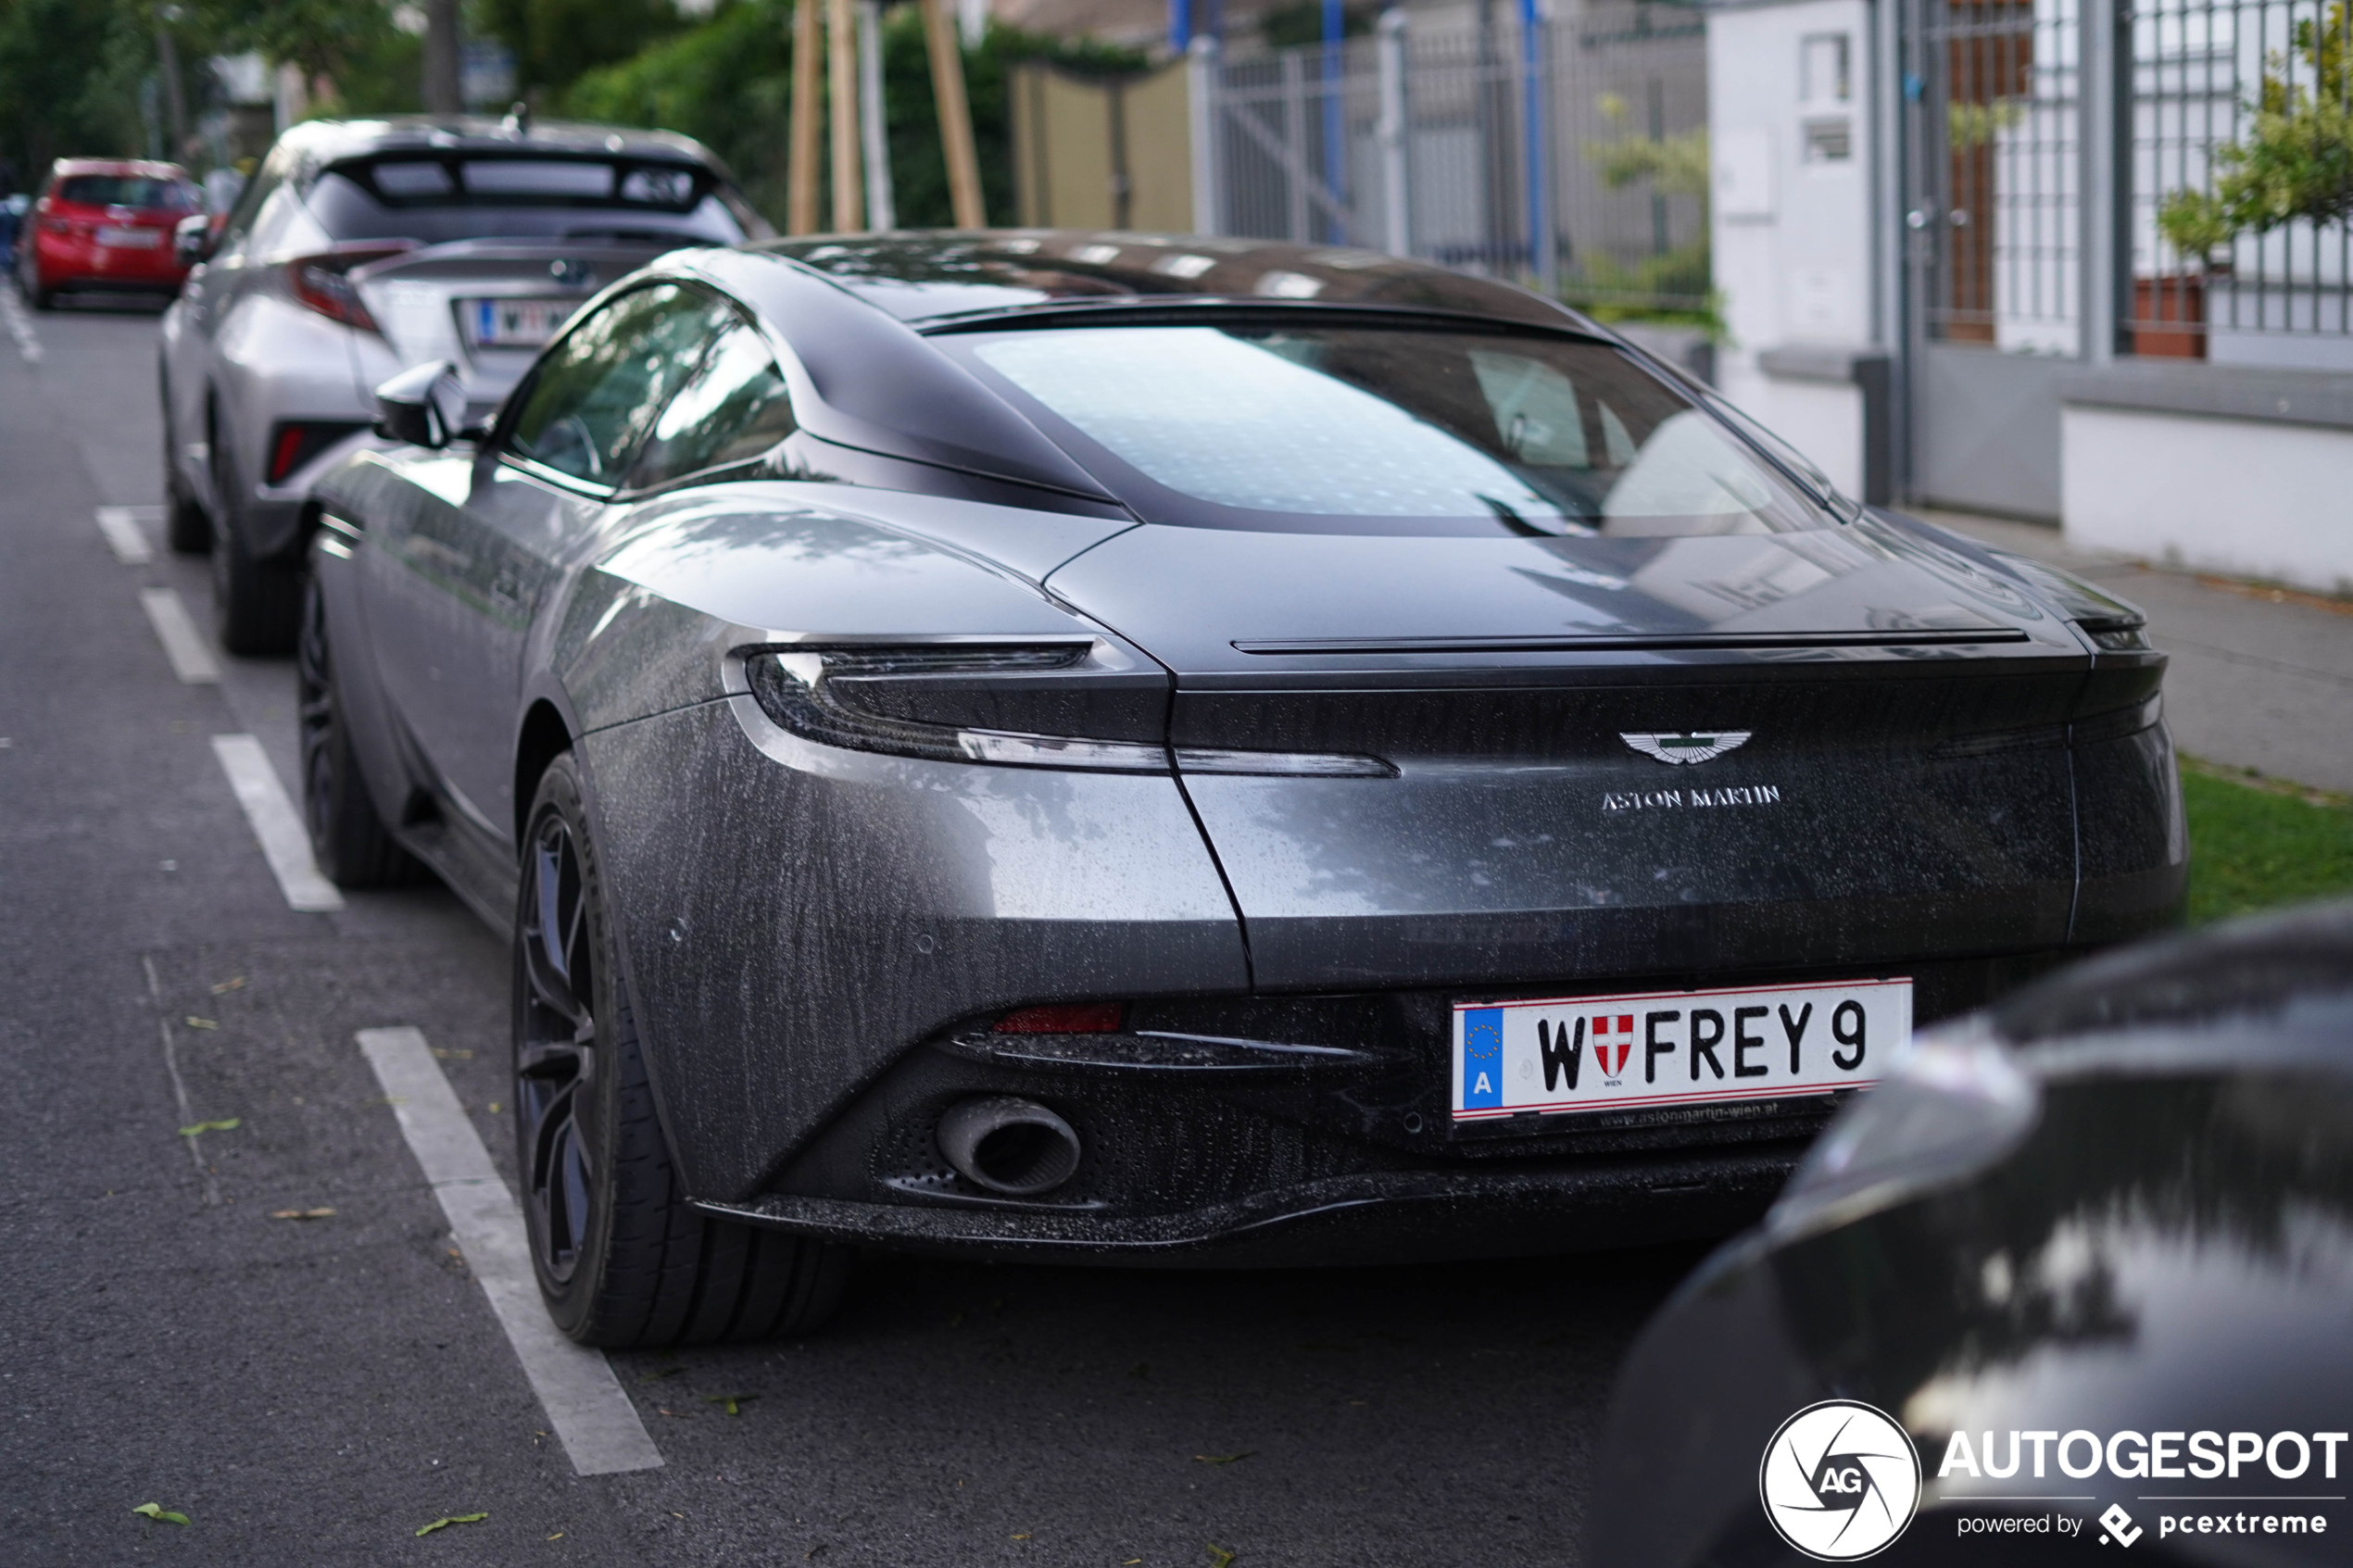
(1379, 429)
(520, 199)
(126, 189)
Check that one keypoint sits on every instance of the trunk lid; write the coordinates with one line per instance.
(1613, 756)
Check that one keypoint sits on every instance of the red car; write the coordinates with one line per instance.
(105, 223)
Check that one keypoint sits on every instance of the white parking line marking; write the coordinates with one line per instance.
(19, 328)
(599, 1428)
(285, 843)
(124, 537)
(191, 657)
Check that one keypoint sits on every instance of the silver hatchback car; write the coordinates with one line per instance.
(363, 248)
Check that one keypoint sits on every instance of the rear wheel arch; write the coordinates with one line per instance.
(545, 737)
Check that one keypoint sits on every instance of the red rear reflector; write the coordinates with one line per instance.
(1064, 1017)
(287, 454)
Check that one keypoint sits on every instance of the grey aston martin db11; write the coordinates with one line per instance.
(1142, 748)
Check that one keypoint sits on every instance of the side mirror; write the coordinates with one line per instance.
(192, 240)
(424, 405)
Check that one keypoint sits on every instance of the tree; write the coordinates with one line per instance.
(557, 41)
(2297, 161)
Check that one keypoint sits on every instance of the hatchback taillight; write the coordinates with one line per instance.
(319, 281)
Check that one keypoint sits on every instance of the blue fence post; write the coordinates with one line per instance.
(1543, 246)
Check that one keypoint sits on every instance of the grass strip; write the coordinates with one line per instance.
(2256, 842)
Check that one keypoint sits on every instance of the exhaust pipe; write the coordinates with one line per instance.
(1015, 1147)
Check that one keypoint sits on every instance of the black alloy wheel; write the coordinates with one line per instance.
(555, 1045)
(349, 841)
(622, 1258)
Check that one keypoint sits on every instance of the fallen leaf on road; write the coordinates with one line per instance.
(301, 1213)
(195, 1022)
(156, 1511)
(236, 983)
(1021, 1537)
(665, 1371)
(1219, 1557)
(733, 1401)
(1224, 1458)
(674, 1415)
(450, 1053)
(228, 1126)
(448, 1520)
(556, 1536)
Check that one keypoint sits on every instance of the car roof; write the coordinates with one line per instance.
(931, 277)
(329, 140)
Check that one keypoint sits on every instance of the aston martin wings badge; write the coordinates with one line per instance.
(1692, 746)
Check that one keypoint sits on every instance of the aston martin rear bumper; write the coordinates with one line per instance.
(1371, 1217)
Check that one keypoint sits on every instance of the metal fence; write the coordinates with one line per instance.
(1484, 146)
(1998, 140)
(2202, 72)
(2004, 138)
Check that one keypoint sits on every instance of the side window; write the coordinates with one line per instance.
(730, 412)
(596, 395)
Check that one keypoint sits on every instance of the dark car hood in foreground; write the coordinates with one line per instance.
(2167, 1251)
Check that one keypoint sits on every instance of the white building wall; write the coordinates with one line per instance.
(2242, 497)
(1792, 219)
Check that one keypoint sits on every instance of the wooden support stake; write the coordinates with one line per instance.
(802, 175)
(955, 117)
(841, 53)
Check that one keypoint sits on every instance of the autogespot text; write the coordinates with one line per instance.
(2161, 1456)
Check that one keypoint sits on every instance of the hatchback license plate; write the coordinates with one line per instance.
(516, 324)
(1653, 1049)
(130, 239)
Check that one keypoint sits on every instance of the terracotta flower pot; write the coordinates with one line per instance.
(2169, 316)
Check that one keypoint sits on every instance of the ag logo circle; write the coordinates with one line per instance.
(1840, 1480)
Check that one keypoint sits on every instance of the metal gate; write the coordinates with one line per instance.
(1995, 267)
(1484, 143)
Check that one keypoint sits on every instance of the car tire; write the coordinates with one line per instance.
(348, 840)
(186, 527)
(257, 605)
(623, 1259)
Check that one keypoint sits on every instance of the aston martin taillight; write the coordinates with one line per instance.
(993, 703)
(319, 281)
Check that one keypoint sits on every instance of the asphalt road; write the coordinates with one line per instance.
(311, 1391)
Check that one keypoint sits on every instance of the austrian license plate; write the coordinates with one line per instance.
(130, 239)
(1653, 1049)
(516, 324)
